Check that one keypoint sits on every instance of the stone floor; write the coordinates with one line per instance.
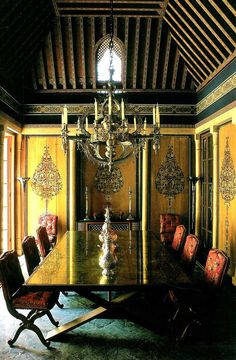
(119, 339)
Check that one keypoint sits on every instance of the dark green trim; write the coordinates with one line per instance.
(214, 83)
(219, 104)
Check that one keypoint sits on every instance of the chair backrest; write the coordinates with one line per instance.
(188, 256)
(168, 223)
(179, 238)
(30, 250)
(11, 275)
(43, 240)
(216, 267)
(49, 221)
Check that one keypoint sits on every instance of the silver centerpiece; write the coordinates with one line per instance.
(108, 259)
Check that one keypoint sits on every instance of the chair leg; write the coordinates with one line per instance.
(59, 304)
(29, 326)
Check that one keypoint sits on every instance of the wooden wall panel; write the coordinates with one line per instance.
(159, 203)
(58, 204)
(227, 231)
(119, 200)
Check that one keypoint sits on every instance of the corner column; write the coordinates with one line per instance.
(145, 188)
(214, 132)
(72, 191)
(1, 182)
(198, 185)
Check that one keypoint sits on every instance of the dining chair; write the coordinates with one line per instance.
(43, 241)
(18, 297)
(188, 256)
(196, 306)
(32, 258)
(44, 244)
(50, 222)
(179, 239)
(168, 223)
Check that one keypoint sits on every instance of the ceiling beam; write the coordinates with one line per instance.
(219, 27)
(230, 7)
(93, 54)
(125, 64)
(51, 65)
(175, 69)
(226, 19)
(189, 16)
(42, 78)
(81, 25)
(191, 37)
(191, 50)
(61, 55)
(72, 78)
(203, 20)
(184, 76)
(157, 53)
(166, 61)
(136, 47)
(146, 52)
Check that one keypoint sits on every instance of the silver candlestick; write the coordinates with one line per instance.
(86, 204)
(130, 217)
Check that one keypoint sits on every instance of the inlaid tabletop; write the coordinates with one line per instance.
(142, 261)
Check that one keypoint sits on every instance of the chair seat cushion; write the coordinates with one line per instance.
(39, 300)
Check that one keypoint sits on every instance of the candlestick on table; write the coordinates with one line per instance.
(86, 204)
(130, 217)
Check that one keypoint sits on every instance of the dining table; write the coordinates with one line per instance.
(139, 263)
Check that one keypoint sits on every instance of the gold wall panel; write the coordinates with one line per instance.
(159, 203)
(227, 231)
(35, 205)
(119, 200)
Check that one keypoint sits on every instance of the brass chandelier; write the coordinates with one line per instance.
(111, 138)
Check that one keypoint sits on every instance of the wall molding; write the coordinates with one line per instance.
(224, 88)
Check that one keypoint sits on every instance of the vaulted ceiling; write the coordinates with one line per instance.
(47, 48)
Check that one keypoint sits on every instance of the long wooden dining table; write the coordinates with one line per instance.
(142, 263)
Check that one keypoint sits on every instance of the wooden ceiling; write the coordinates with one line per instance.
(48, 47)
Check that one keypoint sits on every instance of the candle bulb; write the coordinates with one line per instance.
(65, 119)
(154, 115)
(157, 116)
(96, 109)
(109, 105)
(122, 109)
(145, 124)
(86, 123)
(135, 123)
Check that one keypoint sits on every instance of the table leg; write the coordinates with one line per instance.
(87, 317)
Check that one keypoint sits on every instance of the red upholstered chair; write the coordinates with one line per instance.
(18, 297)
(32, 258)
(188, 256)
(50, 222)
(197, 306)
(43, 241)
(168, 223)
(179, 238)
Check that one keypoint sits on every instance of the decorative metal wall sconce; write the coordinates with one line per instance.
(86, 205)
(170, 178)
(23, 181)
(130, 217)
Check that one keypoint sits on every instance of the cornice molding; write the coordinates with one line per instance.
(7, 99)
(131, 109)
(223, 89)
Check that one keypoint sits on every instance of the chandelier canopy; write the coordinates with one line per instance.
(111, 138)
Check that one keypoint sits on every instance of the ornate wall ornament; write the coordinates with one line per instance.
(46, 181)
(170, 177)
(108, 182)
(227, 187)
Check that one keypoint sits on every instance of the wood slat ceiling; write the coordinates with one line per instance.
(48, 47)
